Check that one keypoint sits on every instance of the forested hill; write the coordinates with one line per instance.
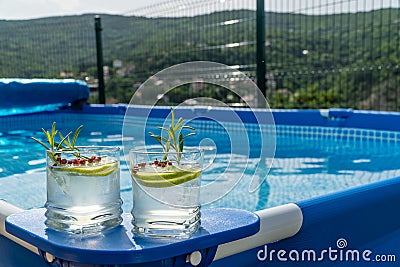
(45, 47)
(31, 47)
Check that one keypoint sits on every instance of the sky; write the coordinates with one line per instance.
(29, 9)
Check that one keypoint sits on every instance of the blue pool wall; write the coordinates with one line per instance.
(340, 118)
(343, 118)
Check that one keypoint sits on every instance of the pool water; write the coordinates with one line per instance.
(309, 161)
(306, 166)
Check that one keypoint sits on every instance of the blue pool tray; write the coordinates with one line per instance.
(120, 246)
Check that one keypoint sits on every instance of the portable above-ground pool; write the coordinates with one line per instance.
(330, 198)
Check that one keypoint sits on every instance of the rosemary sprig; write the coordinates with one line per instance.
(68, 142)
(175, 138)
(64, 143)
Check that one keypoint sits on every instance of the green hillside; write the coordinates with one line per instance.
(344, 60)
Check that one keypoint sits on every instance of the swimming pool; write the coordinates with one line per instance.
(309, 161)
(318, 155)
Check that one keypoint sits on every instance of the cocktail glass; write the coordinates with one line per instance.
(83, 189)
(166, 192)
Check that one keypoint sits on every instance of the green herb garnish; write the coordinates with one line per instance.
(175, 137)
(65, 142)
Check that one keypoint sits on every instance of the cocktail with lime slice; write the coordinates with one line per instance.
(166, 191)
(83, 189)
(83, 184)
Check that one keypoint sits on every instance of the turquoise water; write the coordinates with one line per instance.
(309, 162)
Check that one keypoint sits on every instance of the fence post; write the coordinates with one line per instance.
(99, 54)
(260, 28)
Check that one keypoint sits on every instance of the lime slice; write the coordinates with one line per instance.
(101, 170)
(165, 179)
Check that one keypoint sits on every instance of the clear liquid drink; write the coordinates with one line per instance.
(166, 191)
(83, 190)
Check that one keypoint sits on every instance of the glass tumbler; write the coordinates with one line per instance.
(83, 189)
(166, 192)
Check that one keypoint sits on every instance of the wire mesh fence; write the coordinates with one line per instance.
(319, 53)
(334, 54)
(47, 48)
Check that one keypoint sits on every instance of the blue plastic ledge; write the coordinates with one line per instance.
(119, 246)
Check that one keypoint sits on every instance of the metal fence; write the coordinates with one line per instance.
(318, 53)
(53, 47)
(334, 54)
(222, 31)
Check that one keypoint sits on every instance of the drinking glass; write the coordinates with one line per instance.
(166, 192)
(83, 189)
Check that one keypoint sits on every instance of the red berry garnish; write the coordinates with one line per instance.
(82, 161)
(170, 163)
(63, 161)
(156, 162)
(69, 161)
(98, 159)
(135, 170)
(93, 157)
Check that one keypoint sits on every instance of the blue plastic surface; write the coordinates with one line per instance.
(13, 255)
(33, 95)
(119, 246)
(378, 120)
(336, 117)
